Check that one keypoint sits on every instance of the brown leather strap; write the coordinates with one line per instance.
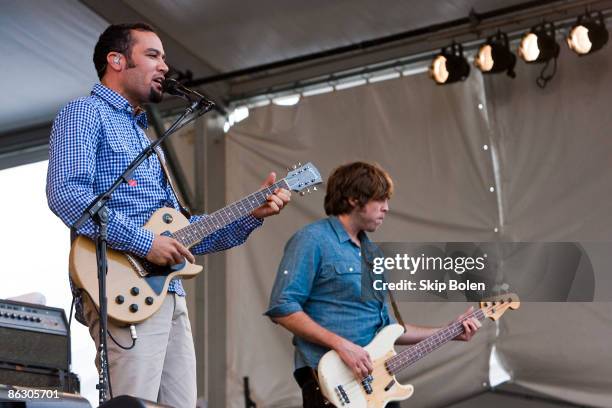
(184, 210)
(396, 311)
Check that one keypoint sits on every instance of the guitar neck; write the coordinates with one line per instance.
(193, 233)
(414, 353)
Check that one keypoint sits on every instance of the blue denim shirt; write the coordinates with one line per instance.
(320, 274)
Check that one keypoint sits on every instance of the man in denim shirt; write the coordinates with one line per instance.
(317, 293)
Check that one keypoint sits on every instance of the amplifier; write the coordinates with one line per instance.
(40, 378)
(34, 335)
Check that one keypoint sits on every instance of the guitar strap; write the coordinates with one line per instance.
(184, 210)
(396, 311)
(367, 247)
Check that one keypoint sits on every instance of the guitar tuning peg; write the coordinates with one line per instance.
(302, 193)
(308, 191)
(295, 167)
(314, 189)
(299, 164)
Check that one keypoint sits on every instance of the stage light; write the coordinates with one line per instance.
(539, 44)
(494, 56)
(450, 65)
(588, 35)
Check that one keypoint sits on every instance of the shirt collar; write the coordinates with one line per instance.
(120, 103)
(341, 233)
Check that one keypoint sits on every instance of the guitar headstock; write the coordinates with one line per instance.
(303, 177)
(494, 307)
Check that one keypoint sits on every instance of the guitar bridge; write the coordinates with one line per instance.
(138, 268)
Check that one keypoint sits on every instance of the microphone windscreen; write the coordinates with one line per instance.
(170, 86)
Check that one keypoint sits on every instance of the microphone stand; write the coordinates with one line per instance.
(97, 211)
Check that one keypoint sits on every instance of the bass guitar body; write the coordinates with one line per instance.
(340, 387)
(135, 288)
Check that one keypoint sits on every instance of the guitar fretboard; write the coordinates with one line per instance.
(414, 353)
(193, 233)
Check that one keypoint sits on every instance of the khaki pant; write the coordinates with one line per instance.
(161, 367)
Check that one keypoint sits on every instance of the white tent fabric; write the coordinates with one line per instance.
(547, 160)
(230, 35)
(47, 46)
(47, 50)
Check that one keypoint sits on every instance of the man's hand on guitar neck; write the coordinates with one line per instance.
(470, 325)
(168, 251)
(275, 202)
(414, 334)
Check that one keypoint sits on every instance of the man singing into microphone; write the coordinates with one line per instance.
(92, 141)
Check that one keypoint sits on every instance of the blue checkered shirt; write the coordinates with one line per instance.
(93, 139)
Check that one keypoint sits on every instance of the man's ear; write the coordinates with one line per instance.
(353, 202)
(114, 61)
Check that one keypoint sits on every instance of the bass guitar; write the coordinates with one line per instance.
(135, 287)
(339, 386)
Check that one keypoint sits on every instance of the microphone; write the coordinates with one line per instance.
(174, 87)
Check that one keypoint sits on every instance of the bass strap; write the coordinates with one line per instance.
(396, 311)
(368, 249)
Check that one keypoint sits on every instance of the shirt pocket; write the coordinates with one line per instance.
(342, 280)
(117, 143)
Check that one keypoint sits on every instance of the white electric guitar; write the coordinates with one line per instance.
(340, 387)
(135, 287)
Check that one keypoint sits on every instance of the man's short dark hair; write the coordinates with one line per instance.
(360, 181)
(116, 38)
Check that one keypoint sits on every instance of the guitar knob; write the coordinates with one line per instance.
(135, 291)
(119, 299)
(167, 218)
(149, 300)
(133, 308)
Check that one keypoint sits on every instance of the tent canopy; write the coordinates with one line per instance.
(48, 46)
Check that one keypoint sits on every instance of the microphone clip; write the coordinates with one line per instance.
(199, 102)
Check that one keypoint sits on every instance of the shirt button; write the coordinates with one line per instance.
(351, 269)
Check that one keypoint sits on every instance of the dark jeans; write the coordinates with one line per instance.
(311, 395)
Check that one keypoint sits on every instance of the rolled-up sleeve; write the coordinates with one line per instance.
(295, 275)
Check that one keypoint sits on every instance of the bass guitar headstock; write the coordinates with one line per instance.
(496, 306)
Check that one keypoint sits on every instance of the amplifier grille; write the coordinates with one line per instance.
(34, 348)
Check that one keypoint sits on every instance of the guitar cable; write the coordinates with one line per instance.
(133, 333)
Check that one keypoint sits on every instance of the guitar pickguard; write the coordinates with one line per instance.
(156, 275)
